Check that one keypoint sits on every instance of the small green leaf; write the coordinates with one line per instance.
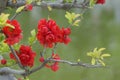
(76, 23)
(3, 48)
(105, 55)
(10, 62)
(102, 62)
(78, 60)
(20, 9)
(32, 39)
(72, 18)
(3, 19)
(2, 37)
(92, 3)
(101, 49)
(93, 61)
(16, 46)
(95, 49)
(49, 8)
(33, 33)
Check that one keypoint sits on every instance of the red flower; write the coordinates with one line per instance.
(66, 32)
(41, 59)
(49, 33)
(54, 66)
(100, 1)
(3, 61)
(29, 7)
(26, 55)
(13, 35)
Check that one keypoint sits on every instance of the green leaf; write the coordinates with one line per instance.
(102, 62)
(33, 33)
(76, 23)
(78, 60)
(3, 48)
(93, 61)
(2, 37)
(105, 55)
(49, 8)
(32, 39)
(20, 9)
(92, 3)
(101, 49)
(10, 62)
(16, 46)
(72, 18)
(3, 19)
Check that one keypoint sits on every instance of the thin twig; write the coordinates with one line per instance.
(38, 68)
(15, 15)
(53, 49)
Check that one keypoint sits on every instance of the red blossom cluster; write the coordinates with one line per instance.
(100, 1)
(50, 33)
(26, 55)
(13, 35)
(54, 66)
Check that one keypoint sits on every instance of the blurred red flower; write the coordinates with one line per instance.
(13, 35)
(3, 61)
(29, 7)
(100, 1)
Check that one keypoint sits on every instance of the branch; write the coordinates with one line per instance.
(67, 62)
(77, 63)
(54, 5)
(7, 70)
(38, 68)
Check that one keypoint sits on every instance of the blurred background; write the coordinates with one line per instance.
(99, 28)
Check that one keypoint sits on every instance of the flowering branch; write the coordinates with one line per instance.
(7, 70)
(49, 34)
(17, 58)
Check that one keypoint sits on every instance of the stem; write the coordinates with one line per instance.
(38, 68)
(15, 15)
(55, 46)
